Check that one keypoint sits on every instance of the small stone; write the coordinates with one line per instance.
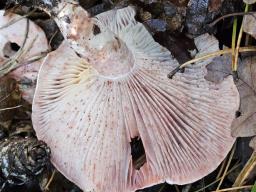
(156, 25)
(169, 9)
(149, 1)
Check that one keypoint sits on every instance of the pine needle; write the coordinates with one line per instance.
(235, 188)
(212, 183)
(227, 166)
(246, 172)
(10, 108)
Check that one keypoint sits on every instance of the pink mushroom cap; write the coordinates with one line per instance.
(88, 109)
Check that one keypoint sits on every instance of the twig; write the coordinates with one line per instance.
(230, 15)
(162, 188)
(12, 62)
(247, 170)
(10, 108)
(221, 168)
(176, 188)
(52, 37)
(8, 95)
(16, 20)
(235, 188)
(227, 166)
(34, 58)
(50, 180)
(232, 169)
(214, 54)
(140, 161)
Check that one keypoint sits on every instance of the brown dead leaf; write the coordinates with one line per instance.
(249, 24)
(214, 5)
(245, 124)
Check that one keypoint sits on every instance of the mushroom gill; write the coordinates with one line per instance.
(89, 106)
(21, 41)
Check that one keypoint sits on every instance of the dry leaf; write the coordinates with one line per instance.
(249, 24)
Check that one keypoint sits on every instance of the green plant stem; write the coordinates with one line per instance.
(234, 42)
(239, 42)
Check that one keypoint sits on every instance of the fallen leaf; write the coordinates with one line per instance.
(245, 125)
(249, 24)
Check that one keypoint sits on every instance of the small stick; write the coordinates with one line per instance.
(231, 170)
(8, 66)
(162, 188)
(176, 188)
(52, 37)
(50, 180)
(246, 171)
(230, 15)
(222, 168)
(235, 188)
(227, 166)
(214, 54)
(16, 20)
(9, 108)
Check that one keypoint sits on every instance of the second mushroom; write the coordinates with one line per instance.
(107, 84)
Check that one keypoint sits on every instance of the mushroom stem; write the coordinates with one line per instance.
(74, 22)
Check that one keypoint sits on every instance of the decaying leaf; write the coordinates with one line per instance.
(107, 84)
(249, 24)
(245, 125)
(20, 43)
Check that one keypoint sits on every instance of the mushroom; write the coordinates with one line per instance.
(107, 84)
(12, 37)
